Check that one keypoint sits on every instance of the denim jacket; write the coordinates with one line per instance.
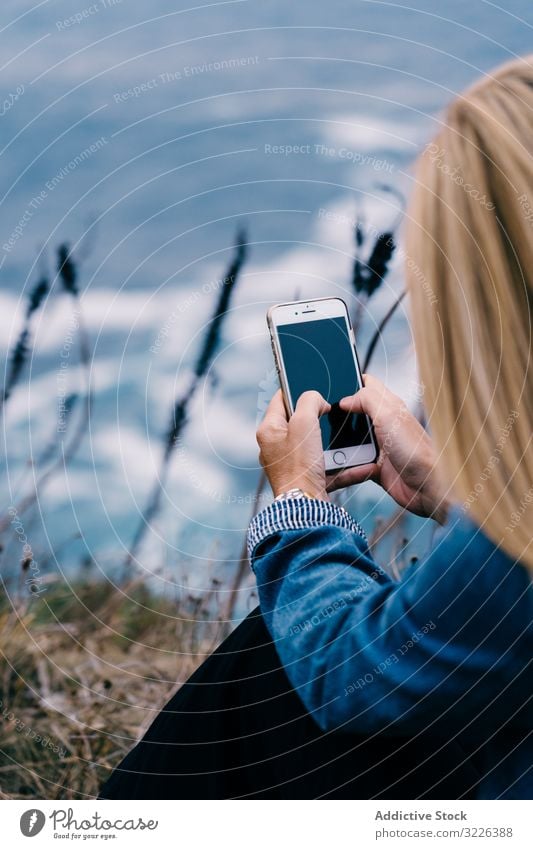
(447, 649)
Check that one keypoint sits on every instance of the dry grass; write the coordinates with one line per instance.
(84, 668)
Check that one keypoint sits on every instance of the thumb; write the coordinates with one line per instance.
(357, 403)
(311, 404)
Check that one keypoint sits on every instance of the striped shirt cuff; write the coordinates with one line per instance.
(293, 514)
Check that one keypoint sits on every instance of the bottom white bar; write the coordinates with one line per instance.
(268, 824)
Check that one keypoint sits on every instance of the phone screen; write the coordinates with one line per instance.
(319, 355)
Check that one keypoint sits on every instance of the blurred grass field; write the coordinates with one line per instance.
(85, 668)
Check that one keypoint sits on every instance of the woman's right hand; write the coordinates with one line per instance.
(405, 467)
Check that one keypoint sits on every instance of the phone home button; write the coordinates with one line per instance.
(339, 458)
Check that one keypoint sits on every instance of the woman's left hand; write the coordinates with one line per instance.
(291, 450)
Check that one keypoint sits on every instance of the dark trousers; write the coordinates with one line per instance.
(238, 729)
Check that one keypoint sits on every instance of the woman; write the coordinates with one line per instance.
(420, 687)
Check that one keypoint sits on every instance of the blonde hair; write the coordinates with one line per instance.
(469, 248)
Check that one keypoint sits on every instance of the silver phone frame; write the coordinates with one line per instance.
(356, 455)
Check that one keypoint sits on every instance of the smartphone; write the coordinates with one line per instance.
(314, 348)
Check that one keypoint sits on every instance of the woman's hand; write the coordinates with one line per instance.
(291, 449)
(406, 464)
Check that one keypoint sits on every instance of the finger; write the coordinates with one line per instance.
(351, 477)
(370, 399)
(334, 480)
(311, 404)
(360, 402)
(377, 388)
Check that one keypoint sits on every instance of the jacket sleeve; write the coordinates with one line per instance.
(365, 653)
